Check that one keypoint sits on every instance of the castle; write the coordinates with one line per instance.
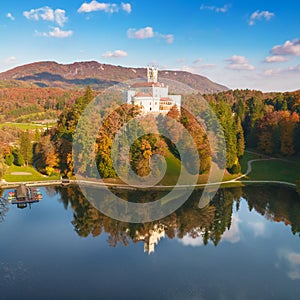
(152, 96)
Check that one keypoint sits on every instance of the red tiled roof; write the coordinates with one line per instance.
(141, 94)
(145, 84)
(165, 99)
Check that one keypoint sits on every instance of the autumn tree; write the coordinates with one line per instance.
(3, 166)
(268, 128)
(276, 132)
(287, 125)
(111, 125)
(197, 132)
(46, 158)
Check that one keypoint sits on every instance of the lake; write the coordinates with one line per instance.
(245, 244)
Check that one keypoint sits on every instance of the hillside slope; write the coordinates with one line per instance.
(95, 74)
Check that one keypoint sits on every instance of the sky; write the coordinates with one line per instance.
(238, 43)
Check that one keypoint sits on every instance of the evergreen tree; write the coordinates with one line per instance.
(9, 159)
(227, 121)
(26, 147)
(240, 138)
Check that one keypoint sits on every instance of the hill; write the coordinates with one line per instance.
(98, 76)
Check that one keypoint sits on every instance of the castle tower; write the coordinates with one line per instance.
(152, 74)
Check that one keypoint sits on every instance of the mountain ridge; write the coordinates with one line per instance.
(97, 75)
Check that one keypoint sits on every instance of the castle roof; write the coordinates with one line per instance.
(146, 84)
(165, 99)
(141, 94)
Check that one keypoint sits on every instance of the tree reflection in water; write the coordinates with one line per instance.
(209, 223)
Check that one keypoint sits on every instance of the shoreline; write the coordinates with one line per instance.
(235, 181)
(232, 183)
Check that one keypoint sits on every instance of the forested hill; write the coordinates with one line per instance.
(97, 75)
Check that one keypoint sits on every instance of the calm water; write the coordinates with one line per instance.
(244, 245)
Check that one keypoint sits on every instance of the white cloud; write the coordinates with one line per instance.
(58, 33)
(272, 72)
(126, 7)
(288, 48)
(275, 58)
(55, 33)
(158, 64)
(294, 68)
(282, 71)
(11, 59)
(259, 15)
(47, 14)
(232, 235)
(293, 262)
(169, 38)
(147, 33)
(115, 54)
(10, 16)
(143, 33)
(215, 8)
(258, 227)
(197, 66)
(190, 241)
(237, 62)
(95, 6)
(43, 34)
(60, 17)
(106, 7)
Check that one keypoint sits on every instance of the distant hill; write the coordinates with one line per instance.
(97, 75)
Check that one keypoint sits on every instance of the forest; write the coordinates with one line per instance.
(266, 122)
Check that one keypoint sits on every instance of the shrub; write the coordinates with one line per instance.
(9, 159)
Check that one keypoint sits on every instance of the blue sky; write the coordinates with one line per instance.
(241, 43)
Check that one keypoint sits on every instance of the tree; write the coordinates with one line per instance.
(9, 159)
(3, 166)
(62, 135)
(45, 156)
(104, 160)
(267, 129)
(280, 102)
(37, 135)
(199, 136)
(26, 147)
(288, 124)
(18, 157)
(143, 153)
(240, 137)
(228, 123)
(111, 126)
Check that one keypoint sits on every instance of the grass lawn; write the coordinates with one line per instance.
(34, 174)
(173, 170)
(275, 170)
(244, 160)
(22, 126)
